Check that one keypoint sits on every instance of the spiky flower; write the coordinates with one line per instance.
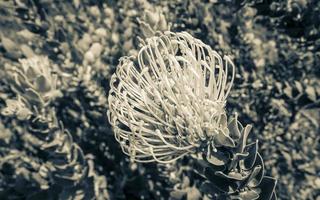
(170, 100)
(35, 81)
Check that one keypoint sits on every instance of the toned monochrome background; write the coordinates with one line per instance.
(275, 45)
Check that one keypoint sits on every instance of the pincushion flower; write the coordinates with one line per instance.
(170, 100)
(35, 81)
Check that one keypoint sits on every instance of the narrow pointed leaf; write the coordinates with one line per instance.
(244, 137)
(221, 183)
(253, 174)
(177, 194)
(237, 157)
(234, 129)
(224, 140)
(217, 158)
(252, 150)
(267, 186)
(249, 195)
(233, 176)
(258, 178)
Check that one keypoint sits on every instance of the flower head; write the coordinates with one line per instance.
(35, 81)
(170, 100)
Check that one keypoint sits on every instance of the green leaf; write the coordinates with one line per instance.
(223, 121)
(274, 196)
(67, 142)
(267, 186)
(234, 176)
(73, 193)
(249, 195)
(69, 177)
(255, 181)
(193, 193)
(209, 188)
(224, 140)
(221, 183)
(253, 174)
(243, 139)
(178, 194)
(234, 131)
(236, 159)
(251, 158)
(200, 165)
(217, 158)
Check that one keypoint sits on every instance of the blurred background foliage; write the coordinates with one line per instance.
(275, 45)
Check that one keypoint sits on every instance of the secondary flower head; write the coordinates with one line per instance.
(170, 100)
(35, 81)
